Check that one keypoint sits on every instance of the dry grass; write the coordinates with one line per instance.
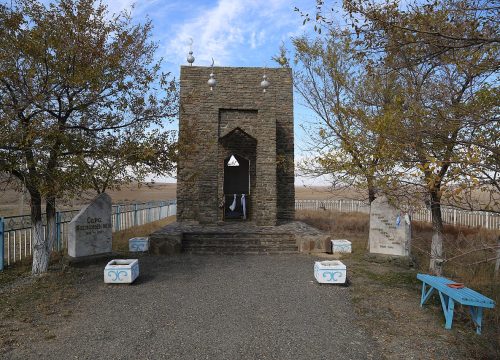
(465, 266)
(335, 222)
(120, 238)
(11, 202)
(29, 306)
(352, 226)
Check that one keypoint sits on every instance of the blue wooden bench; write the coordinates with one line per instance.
(448, 296)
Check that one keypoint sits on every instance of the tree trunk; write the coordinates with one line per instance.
(371, 197)
(371, 194)
(51, 222)
(41, 253)
(371, 189)
(436, 262)
(497, 263)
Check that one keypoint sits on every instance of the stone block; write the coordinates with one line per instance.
(341, 246)
(305, 245)
(121, 271)
(330, 272)
(166, 244)
(89, 233)
(138, 244)
(313, 243)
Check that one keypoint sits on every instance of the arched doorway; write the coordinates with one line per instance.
(236, 187)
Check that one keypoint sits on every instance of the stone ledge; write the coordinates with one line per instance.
(318, 243)
(165, 244)
(174, 237)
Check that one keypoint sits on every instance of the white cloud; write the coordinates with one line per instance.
(224, 30)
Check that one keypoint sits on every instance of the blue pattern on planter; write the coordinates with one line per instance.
(117, 274)
(138, 246)
(332, 275)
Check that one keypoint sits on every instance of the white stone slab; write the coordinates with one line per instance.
(121, 271)
(89, 233)
(341, 246)
(330, 272)
(390, 229)
(138, 244)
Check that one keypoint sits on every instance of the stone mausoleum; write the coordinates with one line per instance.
(235, 175)
(237, 121)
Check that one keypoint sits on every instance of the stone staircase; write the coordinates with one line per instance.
(238, 243)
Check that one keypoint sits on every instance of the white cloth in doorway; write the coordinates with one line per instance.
(233, 205)
(244, 206)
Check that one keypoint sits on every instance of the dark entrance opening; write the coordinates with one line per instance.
(236, 187)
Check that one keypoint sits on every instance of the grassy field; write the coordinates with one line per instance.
(13, 203)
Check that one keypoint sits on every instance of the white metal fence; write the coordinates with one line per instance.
(450, 215)
(337, 205)
(15, 231)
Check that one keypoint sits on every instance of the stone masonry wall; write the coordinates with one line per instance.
(207, 116)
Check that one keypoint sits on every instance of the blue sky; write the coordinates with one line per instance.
(233, 32)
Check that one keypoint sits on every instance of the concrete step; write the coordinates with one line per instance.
(238, 243)
(241, 241)
(240, 246)
(237, 236)
(226, 251)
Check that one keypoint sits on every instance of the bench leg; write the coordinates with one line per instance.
(425, 294)
(448, 308)
(476, 313)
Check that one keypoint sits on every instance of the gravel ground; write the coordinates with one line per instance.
(209, 307)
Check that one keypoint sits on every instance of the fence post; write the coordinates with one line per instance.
(1, 243)
(118, 218)
(58, 231)
(135, 214)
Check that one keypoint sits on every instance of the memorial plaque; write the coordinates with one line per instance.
(390, 229)
(90, 230)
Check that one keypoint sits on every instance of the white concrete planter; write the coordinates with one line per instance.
(341, 246)
(121, 271)
(330, 272)
(138, 244)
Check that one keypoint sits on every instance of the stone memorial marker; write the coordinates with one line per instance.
(390, 229)
(90, 230)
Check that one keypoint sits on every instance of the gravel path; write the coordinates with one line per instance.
(210, 307)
